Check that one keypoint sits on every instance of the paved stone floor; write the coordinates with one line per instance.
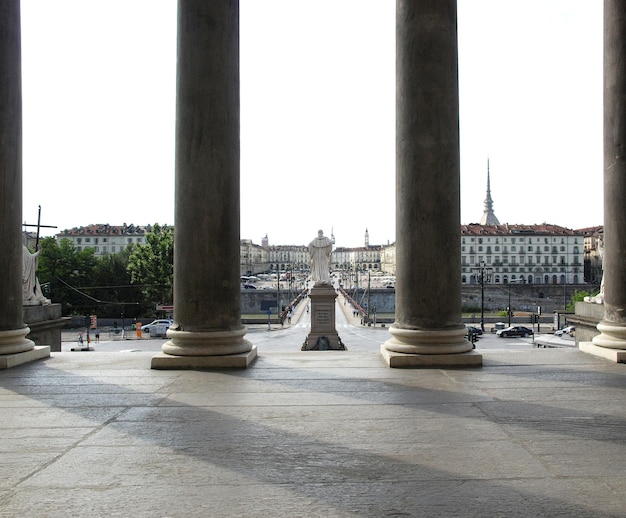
(534, 432)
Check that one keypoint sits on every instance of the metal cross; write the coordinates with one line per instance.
(38, 225)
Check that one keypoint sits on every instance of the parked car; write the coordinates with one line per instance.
(161, 322)
(475, 330)
(249, 286)
(514, 331)
(569, 330)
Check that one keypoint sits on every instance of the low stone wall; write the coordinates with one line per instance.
(45, 323)
(586, 317)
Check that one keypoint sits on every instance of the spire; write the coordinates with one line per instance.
(489, 218)
(367, 238)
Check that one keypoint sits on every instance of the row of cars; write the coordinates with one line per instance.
(521, 331)
(503, 333)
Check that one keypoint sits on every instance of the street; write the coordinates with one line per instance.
(290, 337)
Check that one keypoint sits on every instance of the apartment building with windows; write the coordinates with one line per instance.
(104, 238)
(527, 254)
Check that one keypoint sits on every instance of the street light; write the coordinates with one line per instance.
(481, 270)
(520, 281)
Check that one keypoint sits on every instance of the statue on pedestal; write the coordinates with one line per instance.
(31, 290)
(598, 298)
(320, 250)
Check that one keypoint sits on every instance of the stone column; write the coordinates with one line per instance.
(207, 330)
(611, 342)
(14, 347)
(428, 329)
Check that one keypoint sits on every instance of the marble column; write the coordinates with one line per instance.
(428, 329)
(207, 330)
(14, 347)
(611, 342)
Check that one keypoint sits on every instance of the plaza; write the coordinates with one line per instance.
(533, 432)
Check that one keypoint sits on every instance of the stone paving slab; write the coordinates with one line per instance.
(540, 432)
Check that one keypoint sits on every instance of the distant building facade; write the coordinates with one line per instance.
(529, 254)
(522, 254)
(594, 242)
(254, 258)
(288, 257)
(104, 238)
(388, 259)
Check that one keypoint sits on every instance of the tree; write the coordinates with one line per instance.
(64, 272)
(112, 287)
(578, 296)
(151, 266)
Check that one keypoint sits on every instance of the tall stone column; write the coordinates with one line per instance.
(14, 347)
(611, 342)
(207, 330)
(428, 329)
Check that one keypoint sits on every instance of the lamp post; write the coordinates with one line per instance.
(520, 281)
(481, 270)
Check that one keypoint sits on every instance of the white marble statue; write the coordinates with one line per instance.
(598, 298)
(320, 250)
(31, 290)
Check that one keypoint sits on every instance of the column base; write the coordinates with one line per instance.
(611, 336)
(198, 350)
(14, 341)
(38, 352)
(429, 348)
(399, 360)
(614, 355)
(164, 361)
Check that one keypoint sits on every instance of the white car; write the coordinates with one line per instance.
(162, 322)
(569, 330)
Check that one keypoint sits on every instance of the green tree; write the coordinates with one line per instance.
(578, 296)
(112, 287)
(65, 273)
(151, 266)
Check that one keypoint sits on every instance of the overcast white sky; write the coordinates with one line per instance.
(317, 114)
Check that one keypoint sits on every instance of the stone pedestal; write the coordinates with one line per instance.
(323, 335)
(45, 323)
(8, 361)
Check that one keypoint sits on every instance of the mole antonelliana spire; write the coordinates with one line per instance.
(489, 218)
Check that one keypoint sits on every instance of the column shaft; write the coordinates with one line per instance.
(207, 298)
(613, 325)
(12, 328)
(428, 254)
